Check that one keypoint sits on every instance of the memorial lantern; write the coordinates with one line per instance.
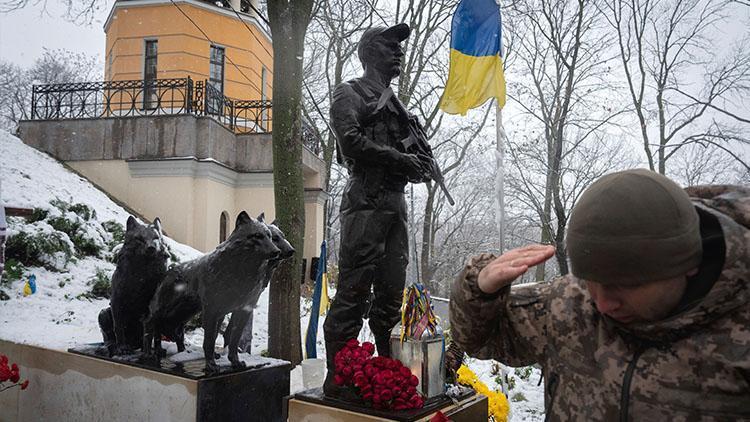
(419, 342)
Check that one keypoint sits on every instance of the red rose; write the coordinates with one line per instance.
(396, 391)
(367, 396)
(4, 373)
(386, 395)
(24, 385)
(413, 380)
(359, 379)
(370, 371)
(14, 376)
(376, 398)
(352, 343)
(338, 380)
(368, 347)
(347, 371)
(411, 391)
(366, 388)
(3, 360)
(404, 371)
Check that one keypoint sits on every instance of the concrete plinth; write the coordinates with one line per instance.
(67, 386)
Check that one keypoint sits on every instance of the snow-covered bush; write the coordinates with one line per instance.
(38, 244)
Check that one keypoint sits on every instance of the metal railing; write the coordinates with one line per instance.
(93, 100)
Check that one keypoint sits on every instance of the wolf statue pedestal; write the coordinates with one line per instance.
(255, 392)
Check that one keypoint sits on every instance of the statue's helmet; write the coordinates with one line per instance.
(398, 32)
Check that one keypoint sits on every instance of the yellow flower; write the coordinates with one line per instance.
(497, 402)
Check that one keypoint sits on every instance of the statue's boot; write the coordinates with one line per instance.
(330, 389)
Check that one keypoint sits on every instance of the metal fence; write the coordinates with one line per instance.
(93, 100)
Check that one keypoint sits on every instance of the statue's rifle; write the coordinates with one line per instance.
(416, 143)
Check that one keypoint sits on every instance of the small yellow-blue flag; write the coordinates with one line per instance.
(476, 64)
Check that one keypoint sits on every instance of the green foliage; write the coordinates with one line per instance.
(14, 270)
(511, 382)
(85, 246)
(518, 397)
(523, 373)
(116, 230)
(101, 286)
(83, 211)
(60, 204)
(64, 225)
(264, 353)
(30, 249)
(38, 214)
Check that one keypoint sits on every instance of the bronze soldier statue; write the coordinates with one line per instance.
(376, 142)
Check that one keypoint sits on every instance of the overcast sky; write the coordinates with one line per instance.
(23, 33)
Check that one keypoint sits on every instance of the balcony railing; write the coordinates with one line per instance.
(160, 97)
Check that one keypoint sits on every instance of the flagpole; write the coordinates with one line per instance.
(500, 156)
(500, 177)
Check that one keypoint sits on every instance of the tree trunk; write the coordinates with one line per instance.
(288, 21)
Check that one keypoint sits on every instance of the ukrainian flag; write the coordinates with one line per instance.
(476, 65)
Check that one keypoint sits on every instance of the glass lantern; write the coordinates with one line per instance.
(425, 358)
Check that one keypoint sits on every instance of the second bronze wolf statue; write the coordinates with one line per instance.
(225, 281)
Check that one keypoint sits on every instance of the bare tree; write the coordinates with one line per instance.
(563, 92)
(677, 82)
(77, 11)
(288, 22)
(54, 67)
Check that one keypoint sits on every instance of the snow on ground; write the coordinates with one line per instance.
(60, 315)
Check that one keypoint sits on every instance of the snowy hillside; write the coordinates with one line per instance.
(68, 245)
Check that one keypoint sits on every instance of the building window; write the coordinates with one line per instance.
(216, 79)
(223, 219)
(150, 96)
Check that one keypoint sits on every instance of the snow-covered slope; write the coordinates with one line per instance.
(61, 313)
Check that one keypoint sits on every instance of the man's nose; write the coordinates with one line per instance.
(606, 301)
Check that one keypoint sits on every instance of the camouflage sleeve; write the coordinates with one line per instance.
(731, 200)
(508, 326)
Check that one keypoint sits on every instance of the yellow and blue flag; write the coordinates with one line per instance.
(476, 64)
(319, 305)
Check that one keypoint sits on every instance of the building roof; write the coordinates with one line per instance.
(207, 5)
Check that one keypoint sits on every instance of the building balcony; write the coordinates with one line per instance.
(173, 148)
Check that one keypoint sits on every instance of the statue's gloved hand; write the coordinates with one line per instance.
(412, 167)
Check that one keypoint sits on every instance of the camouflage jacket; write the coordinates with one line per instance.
(693, 365)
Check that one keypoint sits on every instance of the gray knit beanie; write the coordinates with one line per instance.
(633, 227)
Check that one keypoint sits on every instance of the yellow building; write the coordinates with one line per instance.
(194, 152)
(159, 39)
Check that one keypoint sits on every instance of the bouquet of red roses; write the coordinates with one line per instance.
(10, 373)
(381, 382)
